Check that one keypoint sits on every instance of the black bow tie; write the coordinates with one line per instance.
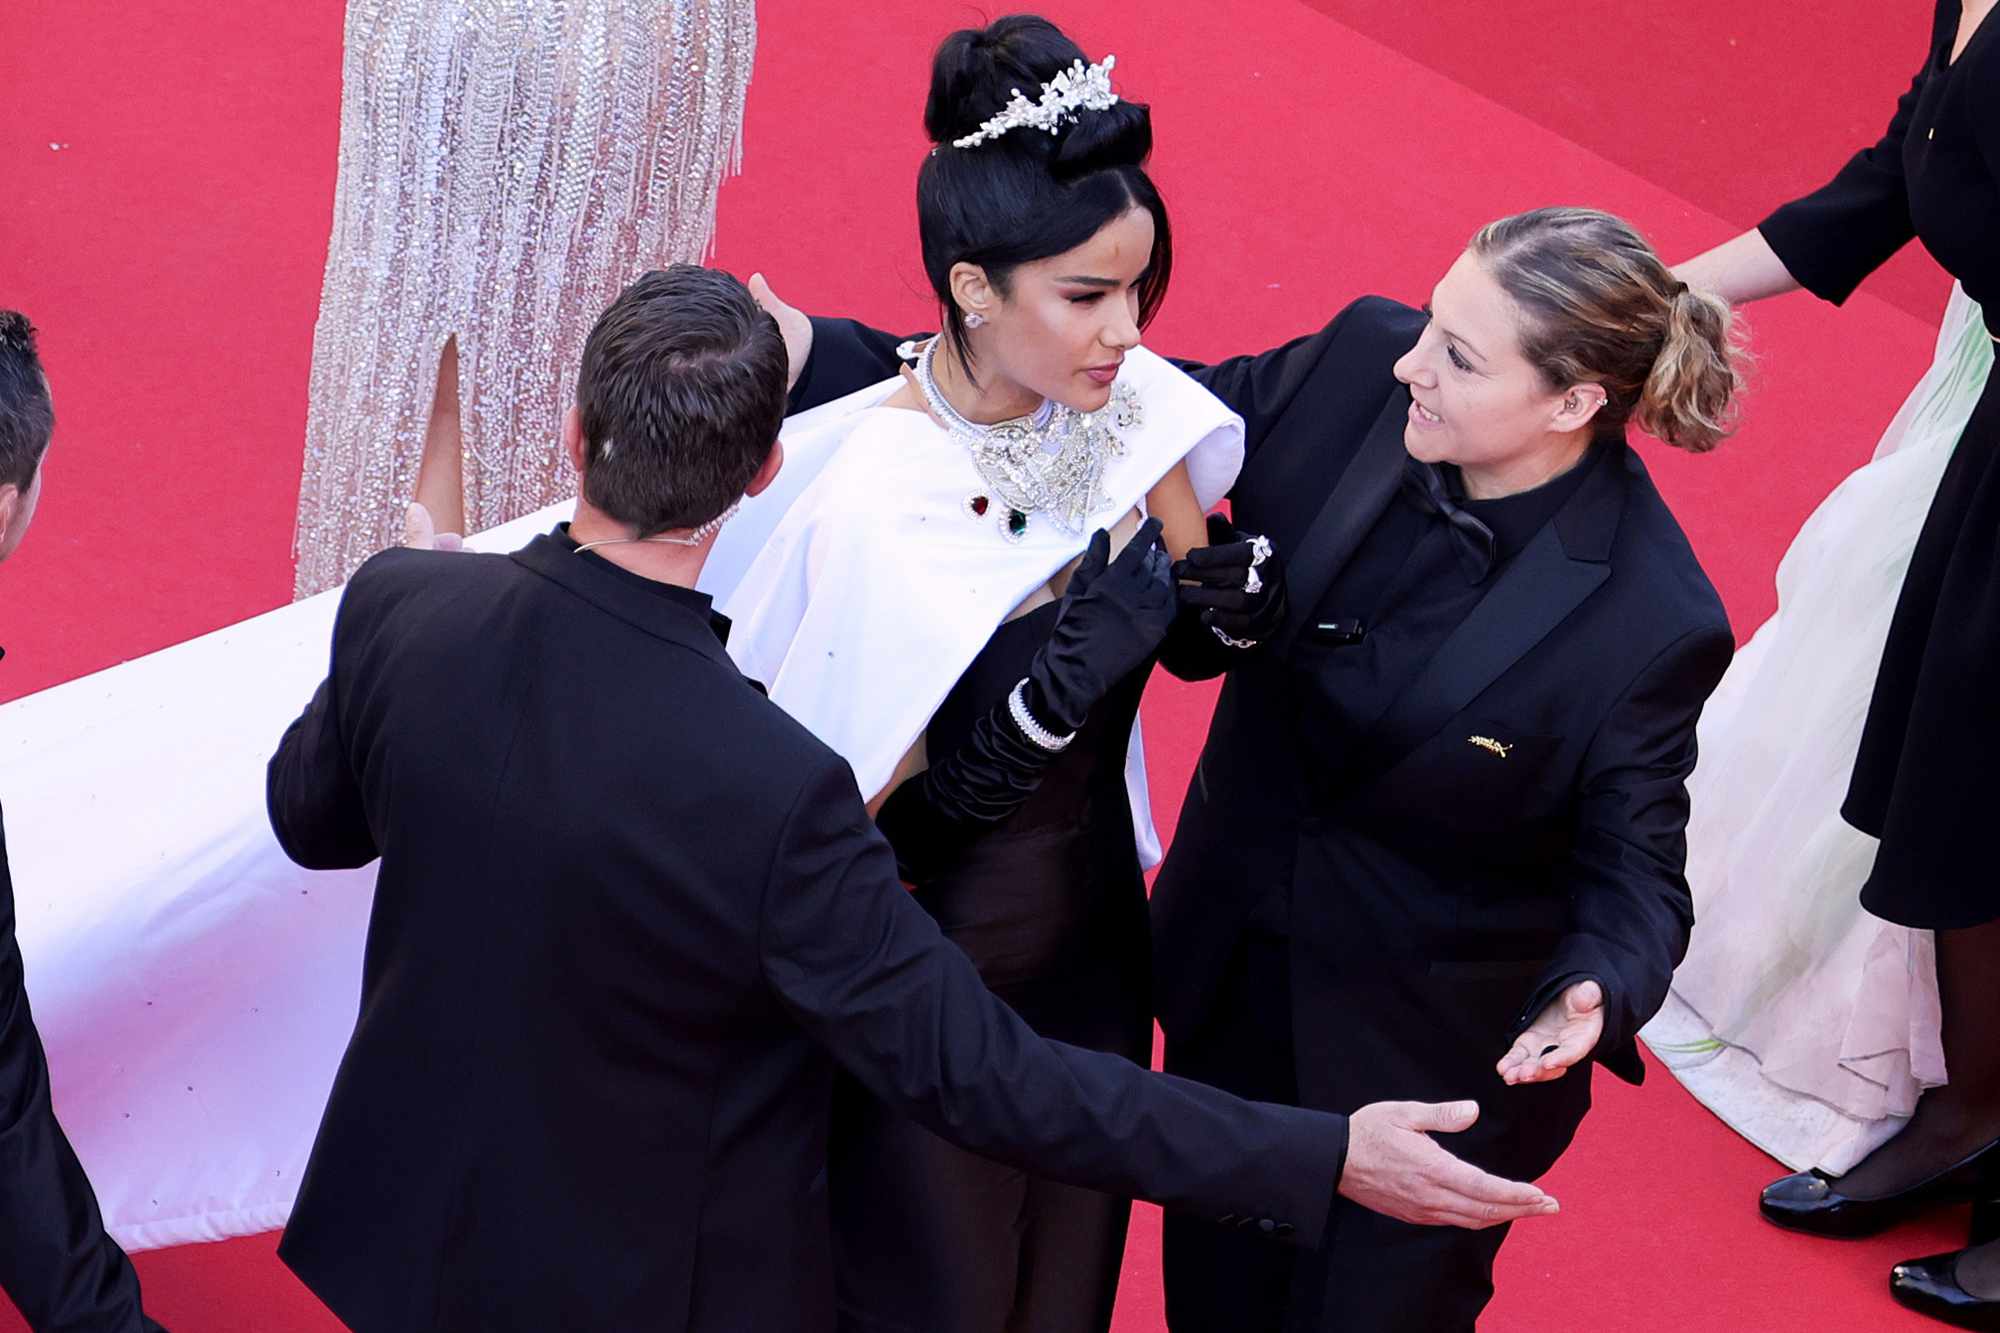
(1471, 540)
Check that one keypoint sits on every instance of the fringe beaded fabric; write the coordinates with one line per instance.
(506, 168)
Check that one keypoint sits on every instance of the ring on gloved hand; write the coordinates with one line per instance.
(1260, 551)
(1253, 582)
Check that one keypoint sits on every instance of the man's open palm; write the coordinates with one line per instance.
(1396, 1169)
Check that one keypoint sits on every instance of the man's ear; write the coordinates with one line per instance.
(572, 439)
(773, 463)
(10, 508)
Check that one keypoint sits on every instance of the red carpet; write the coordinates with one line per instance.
(169, 174)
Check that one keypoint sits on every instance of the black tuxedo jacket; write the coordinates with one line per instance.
(1589, 660)
(629, 915)
(56, 1262)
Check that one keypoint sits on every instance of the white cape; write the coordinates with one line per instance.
(194, 988)
(860, 588)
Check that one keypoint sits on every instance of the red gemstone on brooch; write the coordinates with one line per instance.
(976, 505)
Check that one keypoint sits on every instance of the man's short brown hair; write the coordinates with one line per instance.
(681, 394)
(27, 418)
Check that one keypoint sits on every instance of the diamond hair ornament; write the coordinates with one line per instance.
(1078, 88)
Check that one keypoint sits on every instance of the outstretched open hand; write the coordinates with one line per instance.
(1568, 1029)
(1396, 1169)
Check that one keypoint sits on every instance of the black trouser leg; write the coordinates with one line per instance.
(1072, 1248)
(929, 1238)
(1378, 1275)
(926, 1236)
(1220, 1279)
(1223, 1281)
(1373, 1274)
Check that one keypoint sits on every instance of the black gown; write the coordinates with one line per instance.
(1051, 906)
(1923, 779)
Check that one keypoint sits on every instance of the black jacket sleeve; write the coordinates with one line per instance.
(867, 974)
(56, 1261)
(845, 356)
(1840, 233)
(311, 792)
(1630, 910)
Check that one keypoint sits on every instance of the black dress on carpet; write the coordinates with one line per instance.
(1923, 779)
(1051, 906)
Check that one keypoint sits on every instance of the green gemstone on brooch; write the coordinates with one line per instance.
(1017, 525)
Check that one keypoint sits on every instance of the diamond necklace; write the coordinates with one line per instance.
(1050, 463)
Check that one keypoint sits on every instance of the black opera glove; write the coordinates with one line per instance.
(1112, 620)
(1235, 584)
(934, 816)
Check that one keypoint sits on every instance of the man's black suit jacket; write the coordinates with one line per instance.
(629, 914)
(1589, 659)
(56, 1261)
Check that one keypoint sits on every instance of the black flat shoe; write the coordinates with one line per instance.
(1809, 1200)
(1930, 1287)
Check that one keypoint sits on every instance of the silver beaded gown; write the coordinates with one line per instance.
(506, 167)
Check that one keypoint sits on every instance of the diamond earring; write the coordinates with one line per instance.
(974, 319)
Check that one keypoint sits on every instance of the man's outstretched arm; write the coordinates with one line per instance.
(868, 975)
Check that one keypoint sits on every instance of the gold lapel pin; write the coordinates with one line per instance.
(1489, 744)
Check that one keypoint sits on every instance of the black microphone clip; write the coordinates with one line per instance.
(1344, 633)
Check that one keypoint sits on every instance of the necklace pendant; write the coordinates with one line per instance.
(1127, 413)
(1050, 463)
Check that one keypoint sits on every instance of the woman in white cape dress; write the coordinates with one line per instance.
(914, 605)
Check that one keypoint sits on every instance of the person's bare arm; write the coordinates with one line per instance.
(1739, 270)
(1172, 501)
(792, 323)
(913, 762)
